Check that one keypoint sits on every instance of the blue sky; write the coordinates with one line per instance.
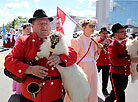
(10, 9)
(125, 12)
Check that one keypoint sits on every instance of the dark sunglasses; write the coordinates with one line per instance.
(122, 32)
(92, 26)
(105, 33)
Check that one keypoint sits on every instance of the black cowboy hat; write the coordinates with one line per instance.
(39, 13)
(116, 27)
(103, 29)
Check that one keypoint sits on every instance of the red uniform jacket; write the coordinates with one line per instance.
(13, 40)
(8, 44)
(103, 59)
(119, 57)
(26, 49)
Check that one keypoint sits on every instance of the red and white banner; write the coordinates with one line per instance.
(65, 25)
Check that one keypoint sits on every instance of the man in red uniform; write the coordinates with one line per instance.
(26, 50)
(120, 62)
(8, 44)
(13, 34)
(103, 60)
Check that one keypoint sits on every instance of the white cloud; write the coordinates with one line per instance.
(80, 1)
(14, 0)
(6, 17)
(6, 14)
(68, 11)
(51, 12)
(83, 13)
(25, 14)
(36, 0)
(130, 21)
(90, 3)
(17, 5)
(25, 4)
(3, 14)
(36, 7)
(78, 7)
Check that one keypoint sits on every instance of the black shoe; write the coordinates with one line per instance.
(107, 99)
(105, 93)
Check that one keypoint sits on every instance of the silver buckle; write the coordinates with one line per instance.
(50, 78)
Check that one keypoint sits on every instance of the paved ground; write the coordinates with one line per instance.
(6, 84)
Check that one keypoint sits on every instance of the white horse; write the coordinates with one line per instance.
(74, 79)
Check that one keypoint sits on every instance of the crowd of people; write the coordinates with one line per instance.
(11, 38)
(13, 35)
(106, 52)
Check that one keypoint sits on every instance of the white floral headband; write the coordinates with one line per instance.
(88, 20)
(26, 24)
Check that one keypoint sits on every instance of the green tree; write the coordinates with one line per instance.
(16, 22)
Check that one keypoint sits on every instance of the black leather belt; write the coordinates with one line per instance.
(52, 78)
(46, 78)
(119, 67)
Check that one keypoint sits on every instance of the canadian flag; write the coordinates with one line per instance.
(65, 25)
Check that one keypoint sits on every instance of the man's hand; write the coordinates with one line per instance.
(106, 41)
(100, 46)
(54, 60)
(37, 70)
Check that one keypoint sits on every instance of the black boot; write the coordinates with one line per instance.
(105, 93)
(110, 98)
(107, 99)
